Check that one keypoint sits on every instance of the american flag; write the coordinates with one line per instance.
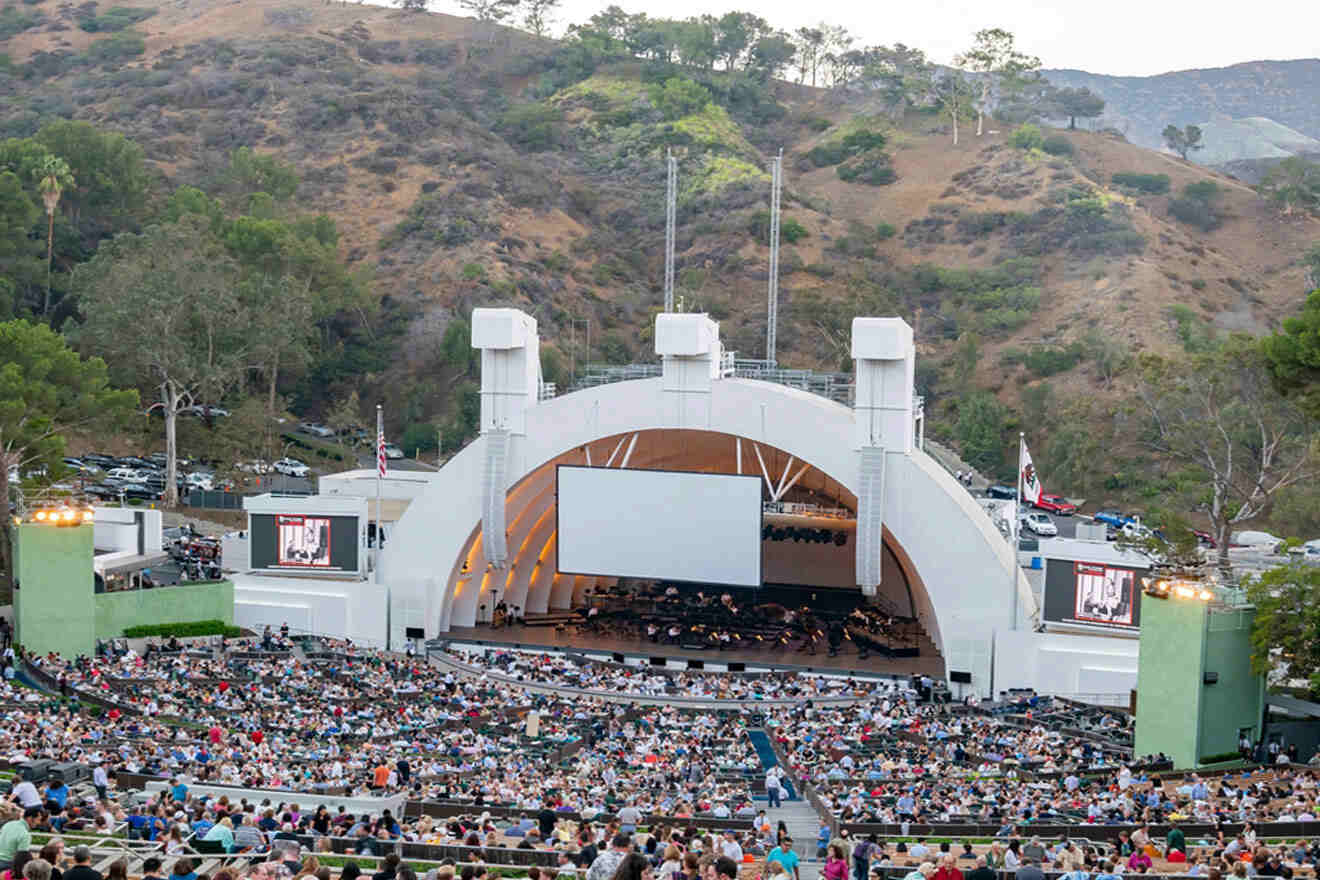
(380, 445)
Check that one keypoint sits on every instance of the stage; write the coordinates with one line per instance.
(531, 636)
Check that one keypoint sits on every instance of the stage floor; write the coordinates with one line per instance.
(522, 636)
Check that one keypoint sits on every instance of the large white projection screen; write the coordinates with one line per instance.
(660, 525)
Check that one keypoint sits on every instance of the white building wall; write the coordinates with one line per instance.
(1065, 663)
(324, 606)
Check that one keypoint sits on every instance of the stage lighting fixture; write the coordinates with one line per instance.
(797, 535)
(767, 532)
(840, 539)
(41, 516)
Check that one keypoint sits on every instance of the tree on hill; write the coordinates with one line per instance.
(491, 12)
(537, 15)
(46, 390)
(53, 178)
(1285, 634)
(1218, 415)
(1293, 186)
(1312, 264)
(163, 308)
(810, 42)
(1077, 104)
(411, 5)
(1293, 355)
(994, 55)
(955, 96)
(1183, 140)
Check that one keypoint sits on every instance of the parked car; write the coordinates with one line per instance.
(99, 459)
(123, 475)
(1115, 518)
(1041, 524)
(102, 490)
(1204, 539)
(315, 430)
(392, 451)
(1262, 542)
(1056, 504)
(200, 480)
(206, 410)
(141, 491)
(82, 467)
(291, 467)
(1006, 492)
(255, 466)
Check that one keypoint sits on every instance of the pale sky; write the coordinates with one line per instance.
(1120, 37)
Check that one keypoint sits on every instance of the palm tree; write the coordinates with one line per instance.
(53, 177)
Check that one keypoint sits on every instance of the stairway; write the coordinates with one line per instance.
(802, 822)
(761, 742)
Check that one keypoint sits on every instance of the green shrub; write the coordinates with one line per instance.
(852, 144)
(533, 127)
(1155, 184)
(116, 47)
(1049, 361)
(872, 167)
(1057, 145)
(679, 97)
(790, 230)
(421, 436)
(1195, 212)
(182, 630)
(1027, 137)
(116, 18)
(14, 22)
(885, 230)
(473, 272)
(1202, 190)
(1197, 283)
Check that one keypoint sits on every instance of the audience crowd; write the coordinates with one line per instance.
(606, 788)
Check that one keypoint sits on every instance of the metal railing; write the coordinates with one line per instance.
(799, 509)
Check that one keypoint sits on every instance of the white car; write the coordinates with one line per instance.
(255, 466)
(124, 475)
(200, 480)
(316, 430)
(392, 451)
(1260, 542)
(1041, 524)
(291, 467)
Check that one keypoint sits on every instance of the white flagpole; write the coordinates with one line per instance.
(1013, 569)
(380, 525)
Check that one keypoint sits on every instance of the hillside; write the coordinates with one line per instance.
(466, 165)
(1287, 92)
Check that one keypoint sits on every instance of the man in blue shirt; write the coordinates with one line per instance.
(179, 791)
(785, 855)
(57, 793)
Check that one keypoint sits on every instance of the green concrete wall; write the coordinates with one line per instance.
(1238, 699)
(1177, 713)
(1169, 679)
(53, 602)
(182, 604)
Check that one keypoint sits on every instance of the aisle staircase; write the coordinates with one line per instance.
(802, 822)
(761, 742)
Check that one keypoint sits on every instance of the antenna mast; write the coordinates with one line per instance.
(772, 309)
(671, 205)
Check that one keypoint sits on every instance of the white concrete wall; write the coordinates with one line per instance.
(116, 529)
(325, 606)
(1065, 663)
(362, 483)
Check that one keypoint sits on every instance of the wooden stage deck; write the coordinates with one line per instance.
(523, 636)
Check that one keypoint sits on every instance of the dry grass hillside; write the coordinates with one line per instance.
(460, 173)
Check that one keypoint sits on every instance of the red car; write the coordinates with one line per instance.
(1056, 504)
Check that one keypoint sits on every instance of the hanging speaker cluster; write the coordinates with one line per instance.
(810, 536)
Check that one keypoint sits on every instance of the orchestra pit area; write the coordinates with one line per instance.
(310, 757)
(822, 628)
